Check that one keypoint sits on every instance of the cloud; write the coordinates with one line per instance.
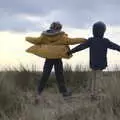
(29, 15)
(15, 23)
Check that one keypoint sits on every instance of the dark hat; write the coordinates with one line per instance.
(99, 25)
(98, 29)
(56, 26)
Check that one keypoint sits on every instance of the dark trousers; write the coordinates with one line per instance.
(58, 66)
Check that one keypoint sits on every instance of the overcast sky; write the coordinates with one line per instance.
(19, 18)
(33, 15)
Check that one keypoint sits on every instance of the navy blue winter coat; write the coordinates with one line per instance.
(98, 48)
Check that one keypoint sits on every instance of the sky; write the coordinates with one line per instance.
(21, 18)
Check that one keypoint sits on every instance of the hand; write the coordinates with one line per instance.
(27, 38)
(69, 53)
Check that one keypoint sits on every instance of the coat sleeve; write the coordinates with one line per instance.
(34, 40)
(113, 46)
(72, 41)
(65, 40)
(80, 47)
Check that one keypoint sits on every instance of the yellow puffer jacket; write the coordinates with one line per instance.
(52, 45)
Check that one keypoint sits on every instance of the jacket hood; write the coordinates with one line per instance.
(99, 29)
(52, 36)
(52, 32)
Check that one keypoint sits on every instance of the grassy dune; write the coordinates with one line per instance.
(18, 90)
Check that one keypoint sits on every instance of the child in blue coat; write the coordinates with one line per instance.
(98, 46)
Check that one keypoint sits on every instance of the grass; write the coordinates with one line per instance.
(18, 88)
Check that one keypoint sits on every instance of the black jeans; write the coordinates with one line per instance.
(58, 66)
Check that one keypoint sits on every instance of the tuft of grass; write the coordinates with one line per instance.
(9, 95)
(77, 79)
(25, 79)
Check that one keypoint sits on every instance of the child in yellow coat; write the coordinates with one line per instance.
(53, 45)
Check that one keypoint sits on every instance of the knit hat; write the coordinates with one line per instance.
(56, 26)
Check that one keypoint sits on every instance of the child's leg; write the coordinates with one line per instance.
(96, 82)
(46, 73)
(93, 83)
(89, 83)
(99, 80)
(59, 75)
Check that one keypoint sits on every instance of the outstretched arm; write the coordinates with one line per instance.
(80, 47)
(65, 40)
(72, 41)
(113, 46)
(34, 40)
